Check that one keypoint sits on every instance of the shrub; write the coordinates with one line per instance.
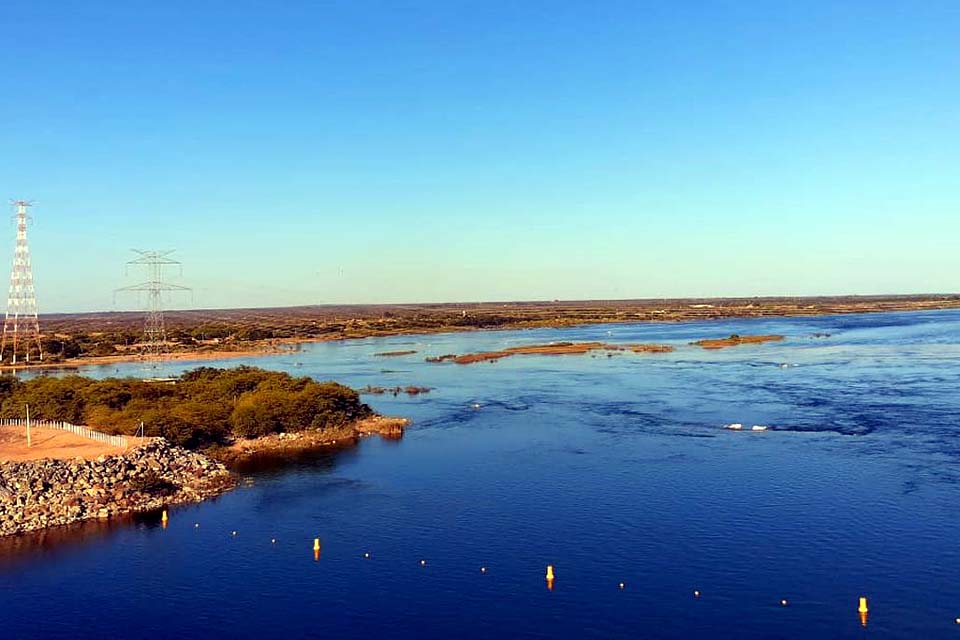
(206, 405)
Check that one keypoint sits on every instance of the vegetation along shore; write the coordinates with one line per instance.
(191, 426)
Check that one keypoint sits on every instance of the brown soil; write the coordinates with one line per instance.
(52, 443)
(733, 341)
(257, 350)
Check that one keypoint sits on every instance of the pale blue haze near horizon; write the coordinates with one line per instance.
(339, 152)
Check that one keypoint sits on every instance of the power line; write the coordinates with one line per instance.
(21, 327)
(154, 331)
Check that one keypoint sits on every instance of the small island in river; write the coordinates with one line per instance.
(553, 349)
(735, 340)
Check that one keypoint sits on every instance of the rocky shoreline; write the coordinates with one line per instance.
(285, 446)
(46, 493)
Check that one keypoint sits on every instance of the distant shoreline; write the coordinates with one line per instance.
(292, 326)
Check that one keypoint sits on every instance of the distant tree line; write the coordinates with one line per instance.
(218, 336)
(205, 406)
(64, 346)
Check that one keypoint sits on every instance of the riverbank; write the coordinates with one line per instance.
(255, 332)
(56, 490)
(44, 493)
(283, 446)
(197, 355)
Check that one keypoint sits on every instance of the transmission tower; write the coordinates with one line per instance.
(154, 332)
(21, 328)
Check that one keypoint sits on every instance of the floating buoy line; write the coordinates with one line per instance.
(863, 609)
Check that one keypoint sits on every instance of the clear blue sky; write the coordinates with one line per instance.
(307, 152)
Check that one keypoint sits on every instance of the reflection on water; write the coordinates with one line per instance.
(55, 541)
(274, 461)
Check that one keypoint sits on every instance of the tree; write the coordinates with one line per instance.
(206, 405)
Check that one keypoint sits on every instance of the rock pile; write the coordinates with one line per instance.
(45, 493)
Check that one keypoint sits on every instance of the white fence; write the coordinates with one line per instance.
(85, 432)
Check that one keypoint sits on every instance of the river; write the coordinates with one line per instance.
(612, 469)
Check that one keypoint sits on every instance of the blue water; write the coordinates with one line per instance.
(611, 469)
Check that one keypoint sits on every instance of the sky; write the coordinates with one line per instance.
(445, 150)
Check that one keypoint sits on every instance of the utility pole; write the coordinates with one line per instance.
(154, 331)
(21, 327)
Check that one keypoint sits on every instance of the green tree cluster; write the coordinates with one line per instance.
(202, 407)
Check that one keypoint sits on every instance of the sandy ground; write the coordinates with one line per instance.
(134, 357)
(51, 443)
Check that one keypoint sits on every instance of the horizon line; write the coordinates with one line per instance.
(475, 303)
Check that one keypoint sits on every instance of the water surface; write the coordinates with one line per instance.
(611, 469)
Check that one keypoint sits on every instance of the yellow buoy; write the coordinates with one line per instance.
(549, 572)
(863, 605)
(316, 544)
(163, 517)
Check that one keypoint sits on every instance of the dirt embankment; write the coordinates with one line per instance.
(735, 340)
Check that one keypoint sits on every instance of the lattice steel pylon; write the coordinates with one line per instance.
(21, 327)
(154, 331)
